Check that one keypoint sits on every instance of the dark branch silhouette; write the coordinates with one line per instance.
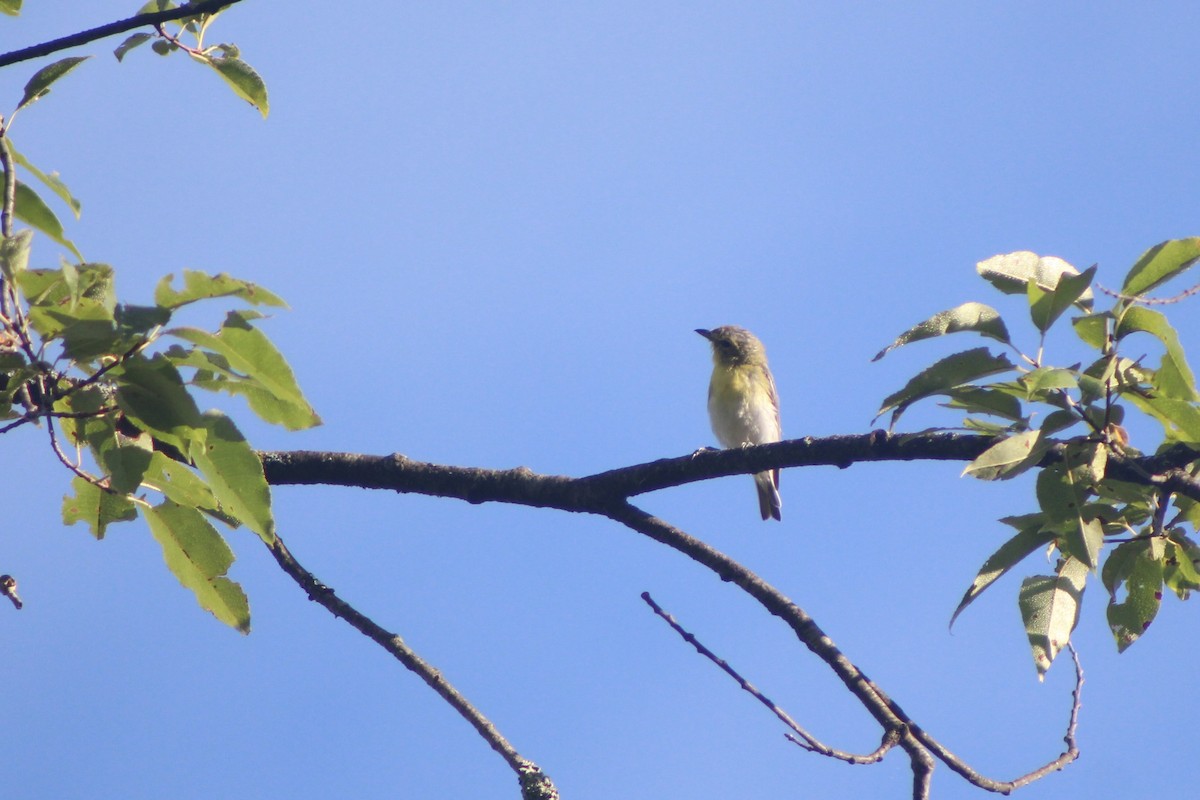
(607, 494)
(112, 29)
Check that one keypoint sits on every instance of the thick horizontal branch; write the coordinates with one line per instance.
(597, 493)
(112, 29)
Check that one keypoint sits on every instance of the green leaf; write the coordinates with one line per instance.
(1179, 418)
(33, 211)
(948, 373)
(1008, 458)
(1050, 609)
(1011, 273)
(10, 7)
(235, 474)
(130, 43)
(975, 400)
(246, 83)
(1046, 306)
(1160, 264)
(1143, 580)
(1093, 329)
(202, 286)
(1174, 378)
(976, 317)
(14, 253)
(163, 47)
(1181, 565)
(198, 556)
(1044, 379)
(1061, 495)
(96, 507)
(51, 181)
(1012, 552)
(250, 352)
(152, 395)
(39, 84)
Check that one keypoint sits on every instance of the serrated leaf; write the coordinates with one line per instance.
(1130, 618)
(1160, 264)
(948, 373)
(1174, 378)
(246, 83)
(198, 556)
(251, 353)
(1011, 273)
(975, 317)
(95, 507)
(33, 211)
(51, 181)
(14, 253)
(234, 472)
(1047, 305)
(130, 43)
(41, 81)
(1050, 609)
(151, 393)
(1029, 539)
(202, 286)
(1008, 458)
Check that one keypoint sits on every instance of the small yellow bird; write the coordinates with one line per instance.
(743, 405)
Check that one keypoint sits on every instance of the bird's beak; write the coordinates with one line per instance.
(707, 334)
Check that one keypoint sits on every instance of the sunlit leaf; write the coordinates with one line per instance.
(951, 371)
(1181, 383)
(1050, 609)
(246, 83)
(976, 400)
(1047, 305)
(234, 472)
(198, 556)
(1011, 273)
(1028, 540)
(10, 7)
(1143, 581)
(251, 353)
(1093, 329)
(33, 211)
(51, 181)
(14, 253)
(1008, 458)
(202, 286)
(1160, 264)
(95, 507)
(975, 317)
(154, 398)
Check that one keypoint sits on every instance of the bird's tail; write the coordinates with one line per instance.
(769, 502)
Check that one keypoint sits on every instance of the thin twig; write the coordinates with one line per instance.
(112, 29)
(533, 781)
(1150, 301)
(806, 740)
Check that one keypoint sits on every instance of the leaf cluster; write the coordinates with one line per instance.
(1068, 421)
(115, 384)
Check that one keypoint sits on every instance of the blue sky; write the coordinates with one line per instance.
(497, 226)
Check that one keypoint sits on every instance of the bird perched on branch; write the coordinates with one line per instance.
(743, 405)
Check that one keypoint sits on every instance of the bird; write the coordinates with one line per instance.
(743, 405)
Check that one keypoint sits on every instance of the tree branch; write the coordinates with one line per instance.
(112, 29)
(593, 493)
(534, 783)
